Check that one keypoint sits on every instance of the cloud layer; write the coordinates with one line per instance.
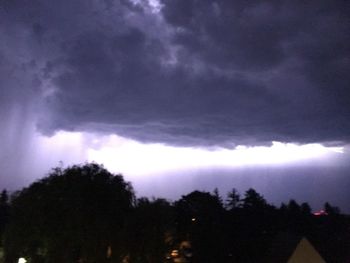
(189, 73)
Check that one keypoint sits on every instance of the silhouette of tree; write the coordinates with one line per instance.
(217, 195)
(4, 212)
(85, 214)
(200, 220)
(253, 200)
(4, 198)
(305, 209)
(151, 230)
(293, 207)
(283, 208)
(233, 200)
(78, 213)
(331, 210)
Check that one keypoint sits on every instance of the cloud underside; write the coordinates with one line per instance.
(192, 73)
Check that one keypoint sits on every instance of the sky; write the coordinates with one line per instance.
(180, 95)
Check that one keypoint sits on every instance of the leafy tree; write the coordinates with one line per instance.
(78, 213)
(199, 220)
(253, 227)
(151, 230)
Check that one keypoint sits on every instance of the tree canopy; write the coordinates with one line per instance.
(85, 214)
(74, 213)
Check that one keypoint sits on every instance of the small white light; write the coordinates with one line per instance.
(22, 260)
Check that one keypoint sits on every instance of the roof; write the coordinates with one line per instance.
(305, 252)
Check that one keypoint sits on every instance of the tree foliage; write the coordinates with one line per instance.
(151, 230)
(4, 213)
(233, 200)
(253, 200)
(200, 220)
(76, 213)
(86, 214)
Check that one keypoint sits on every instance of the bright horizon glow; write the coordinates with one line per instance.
(128, 156)
(132, 158)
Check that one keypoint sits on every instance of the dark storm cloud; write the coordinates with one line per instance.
(303, 48)
(197, 72)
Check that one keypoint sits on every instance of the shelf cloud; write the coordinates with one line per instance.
(186, 72)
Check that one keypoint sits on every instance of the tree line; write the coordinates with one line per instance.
(84, 213)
